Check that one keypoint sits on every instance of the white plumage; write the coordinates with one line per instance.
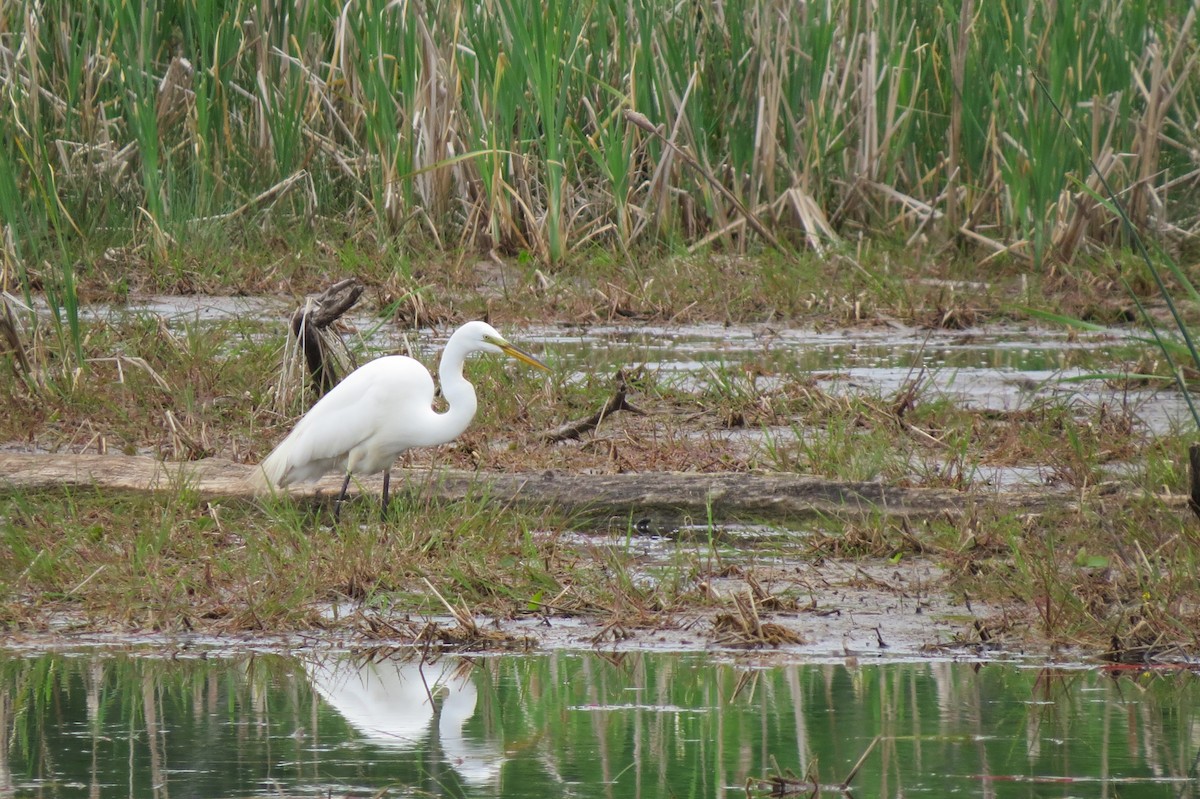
(380, 410)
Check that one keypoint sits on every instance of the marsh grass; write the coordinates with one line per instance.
(147, 385)
(234, 566)
(1122, 580)
(1116, 580)
(186, 389)
(1116, 575)
(176, 563)
(143, 142)
(503, 123)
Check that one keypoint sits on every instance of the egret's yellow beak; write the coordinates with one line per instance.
(520, 355)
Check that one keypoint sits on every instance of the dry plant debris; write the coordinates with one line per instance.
(745, 628)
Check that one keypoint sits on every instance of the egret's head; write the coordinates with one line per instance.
(486, 338)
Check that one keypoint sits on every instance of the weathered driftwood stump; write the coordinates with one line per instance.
(310, 323)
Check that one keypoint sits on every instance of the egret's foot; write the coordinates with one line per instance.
(337, 506)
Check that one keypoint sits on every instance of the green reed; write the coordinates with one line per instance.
(504, 119)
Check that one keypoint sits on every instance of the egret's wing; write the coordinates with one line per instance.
(348, 417)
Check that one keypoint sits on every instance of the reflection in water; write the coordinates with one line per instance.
(644, 725)
(393, 703)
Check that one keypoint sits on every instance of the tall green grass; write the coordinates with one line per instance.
(501, 122)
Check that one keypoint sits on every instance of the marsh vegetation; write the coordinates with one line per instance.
(923, 171)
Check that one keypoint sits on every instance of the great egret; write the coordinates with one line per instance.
(380, 410)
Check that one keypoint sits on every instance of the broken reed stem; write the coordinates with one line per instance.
(10, 342)
(854, 771)
(958, 66)
(461, 615)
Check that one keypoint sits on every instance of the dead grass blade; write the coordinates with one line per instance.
(11, 344)
(123, 361)
(272, 195)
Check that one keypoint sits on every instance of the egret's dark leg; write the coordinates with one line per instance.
(337, 506)
(387, 481)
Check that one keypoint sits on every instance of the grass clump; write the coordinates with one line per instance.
(178, 564)
(1118, 581)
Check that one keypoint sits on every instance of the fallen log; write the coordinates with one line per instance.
(658, 497)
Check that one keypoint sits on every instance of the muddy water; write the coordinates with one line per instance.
(999, 367)
(194, 723)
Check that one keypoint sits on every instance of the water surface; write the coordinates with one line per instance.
(996, 367)
(105, 723)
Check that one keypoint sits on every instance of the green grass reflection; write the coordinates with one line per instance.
(580, 724)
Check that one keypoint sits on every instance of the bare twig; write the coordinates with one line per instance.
(577, 428)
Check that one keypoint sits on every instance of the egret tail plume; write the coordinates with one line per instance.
(267, 475)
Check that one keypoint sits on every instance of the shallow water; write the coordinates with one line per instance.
(204, 723)
(998, 367)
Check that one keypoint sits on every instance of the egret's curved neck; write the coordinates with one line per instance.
(459, 393)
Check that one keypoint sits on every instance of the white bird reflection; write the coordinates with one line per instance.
(393, 703)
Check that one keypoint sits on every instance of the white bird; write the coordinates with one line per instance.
(380, 410)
